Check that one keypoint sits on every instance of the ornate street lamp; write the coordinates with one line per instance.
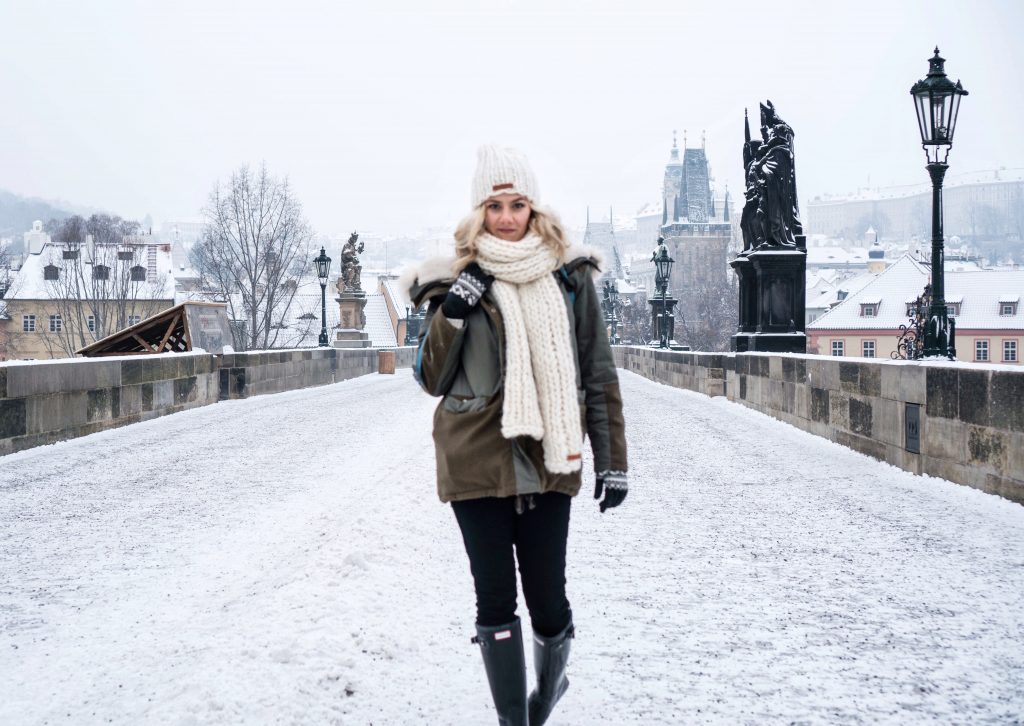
(937, 102)
(413, 322)
(323, 271)
(662, 271)
(610, 305)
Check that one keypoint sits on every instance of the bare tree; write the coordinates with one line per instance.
(255, 235)
(97, 282)
(636, 326)
(708, 314)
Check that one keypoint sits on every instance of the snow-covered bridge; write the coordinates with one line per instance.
(284, 559)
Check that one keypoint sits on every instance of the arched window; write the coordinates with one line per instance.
(100, 272)
(51, 272)
(138, 273)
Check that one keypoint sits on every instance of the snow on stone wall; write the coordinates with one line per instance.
(971, 417)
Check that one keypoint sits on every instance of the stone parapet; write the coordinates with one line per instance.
(42, 402)
(971, 417)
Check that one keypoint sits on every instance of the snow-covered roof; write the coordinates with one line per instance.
(650, 209)
(977, 293)
(378, 322)
(833, 256)
(398, 301)
(830, 296)
(31, 284)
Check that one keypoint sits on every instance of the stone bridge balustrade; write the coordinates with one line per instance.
(42, 402)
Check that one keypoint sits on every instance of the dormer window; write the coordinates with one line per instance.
(869, 308)
(138, 273)
(100, 272)
(1008, 305)
(953, 309)
(51, 272)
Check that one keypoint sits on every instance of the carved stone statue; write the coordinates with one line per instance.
(770, 213)
(351, 270)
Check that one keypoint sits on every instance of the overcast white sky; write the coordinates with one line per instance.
(374, 111)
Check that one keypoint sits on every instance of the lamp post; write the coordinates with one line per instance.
(323, 271)
(937, 102)
(662, 271)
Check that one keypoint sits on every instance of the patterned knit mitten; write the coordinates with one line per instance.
(615, 488)
(466, 291)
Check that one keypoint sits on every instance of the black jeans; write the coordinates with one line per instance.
(491, 528)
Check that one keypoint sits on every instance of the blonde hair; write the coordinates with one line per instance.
(543, 222)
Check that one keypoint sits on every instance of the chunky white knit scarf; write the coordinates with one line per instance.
(540, 374)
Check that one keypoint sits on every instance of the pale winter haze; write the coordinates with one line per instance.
(374, 111)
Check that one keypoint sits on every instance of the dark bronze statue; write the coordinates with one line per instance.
(351, 270)
(770, 213)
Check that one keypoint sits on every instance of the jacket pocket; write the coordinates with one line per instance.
(472, 455)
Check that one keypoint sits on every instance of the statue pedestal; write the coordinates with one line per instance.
(772, 300)
(353, 321)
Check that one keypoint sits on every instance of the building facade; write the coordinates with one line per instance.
(66, 297)
(986, 305)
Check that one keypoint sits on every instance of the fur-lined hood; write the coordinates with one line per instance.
(415, 279)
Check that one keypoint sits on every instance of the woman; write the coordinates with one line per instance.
(515, 342)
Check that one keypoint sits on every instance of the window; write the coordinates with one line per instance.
(981, 350)
(91, 322)
(28, 323)
(837, 347)
(868, 348)
(125, 255)
(1007, 308)
(51, 272)
(1009, 351)
(133, 319)
(70, 254)
(869, 310)
(953, 309)
(138, 273)
(56, 324)
(101, 272)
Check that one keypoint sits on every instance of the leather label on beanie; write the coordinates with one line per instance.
(498, 187)
(573, 457)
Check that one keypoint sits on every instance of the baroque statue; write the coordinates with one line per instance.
(351, 270)
(770, 212)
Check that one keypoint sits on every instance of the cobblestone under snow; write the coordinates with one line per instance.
(284, 559)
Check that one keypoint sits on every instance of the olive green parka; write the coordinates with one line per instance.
(465, 366)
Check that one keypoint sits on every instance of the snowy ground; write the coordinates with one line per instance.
(284, 559)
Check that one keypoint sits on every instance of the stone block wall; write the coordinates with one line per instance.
(46, 401)
(42, 402)
(971, 428)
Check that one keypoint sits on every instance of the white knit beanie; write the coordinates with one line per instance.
(502, 170)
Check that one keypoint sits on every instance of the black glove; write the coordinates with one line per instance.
(615, 488)
(466, 291)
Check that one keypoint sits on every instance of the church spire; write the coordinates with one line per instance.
(674, 154)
